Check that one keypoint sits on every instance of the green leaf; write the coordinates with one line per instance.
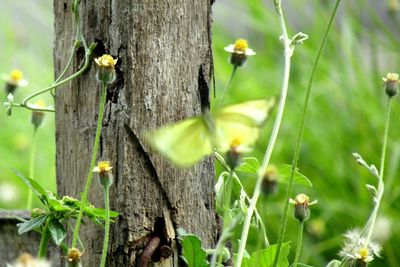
(249, 165)
(265, 257)
(334, 263)
(300, 179)
(31, 224)
(32, 184)
(57, 231)
(192, 252)
(226, 186)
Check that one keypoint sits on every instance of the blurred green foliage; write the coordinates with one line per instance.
(346, 113)
(26, 44)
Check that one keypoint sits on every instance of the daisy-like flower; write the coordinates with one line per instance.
(391, 84)
(301, 207)
(356, 251)
(37, 116)
(106, 68)
(239, 52)
(104, 169)
(14, 80)
(237, 147)
(74, 257)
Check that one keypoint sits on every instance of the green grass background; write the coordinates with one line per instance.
(346, 113)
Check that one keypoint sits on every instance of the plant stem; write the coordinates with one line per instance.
(44, 241)
(73, 76)
(296, 153)
(299, 242)
(225, 89)
(107, 226)
(227, 226)
(381, 186)
(92, 163)
(217, 255)
(237, 180)
(288, 51)
(32, 167)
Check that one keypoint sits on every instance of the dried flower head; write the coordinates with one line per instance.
(301, 207)
(356, 251)
(391, 83)
(74, 257)
(239, 52)
(106, 68)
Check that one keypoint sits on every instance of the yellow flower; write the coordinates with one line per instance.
(37, 116)
(394, 77)
(102, 167)
(391, 84)
(240, 47)
(363, 254)
(301, 204)
(74, 255)
(14, 80)
(106, 61)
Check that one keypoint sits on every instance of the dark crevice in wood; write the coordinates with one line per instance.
(136, 142)
(204, 90)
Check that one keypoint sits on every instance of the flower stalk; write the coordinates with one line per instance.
(288, 51)
(92, 163)
(296, 153)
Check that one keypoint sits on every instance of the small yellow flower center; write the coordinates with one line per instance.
(363, 253)
(302, 199)
(16, 75)
(392, 77)
(104, 166)
(241, 45)
(40, 104)
(237, 141)
(106, 61)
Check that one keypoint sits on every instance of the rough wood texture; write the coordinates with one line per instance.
(12, 244)
(163, 71)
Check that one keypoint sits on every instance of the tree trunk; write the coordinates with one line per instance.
(163, 71)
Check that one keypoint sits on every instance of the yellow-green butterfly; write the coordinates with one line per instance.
(186, 142)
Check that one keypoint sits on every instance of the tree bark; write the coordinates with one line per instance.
(163, 71)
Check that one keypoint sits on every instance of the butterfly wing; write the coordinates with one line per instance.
(183, 143)
(241, 121)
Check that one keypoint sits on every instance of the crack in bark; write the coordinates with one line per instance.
(135, 140)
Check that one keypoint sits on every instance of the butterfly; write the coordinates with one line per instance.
(186, 142)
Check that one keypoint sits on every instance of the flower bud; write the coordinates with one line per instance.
(37, 116)
(105, 175)
(235, 152)
(391, 83)
(269, 184)
(106, 69)
(301, 207)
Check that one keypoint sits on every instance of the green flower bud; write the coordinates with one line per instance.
(391, 83)
(301, 207)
